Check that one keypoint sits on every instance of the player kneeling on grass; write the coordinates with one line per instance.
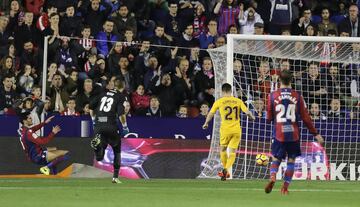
(230, 129)
(48, 157)
(285, 108)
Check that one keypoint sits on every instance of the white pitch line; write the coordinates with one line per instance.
(119, 186)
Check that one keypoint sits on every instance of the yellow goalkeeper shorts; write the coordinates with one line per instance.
(230, 140)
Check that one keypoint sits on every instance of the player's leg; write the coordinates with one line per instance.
(115, 143)
(293, 150)
(233, 146)
(53, 158)
(49, 149)
(98, 143)
(278, 153)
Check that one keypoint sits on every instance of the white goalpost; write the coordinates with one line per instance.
(326, 71)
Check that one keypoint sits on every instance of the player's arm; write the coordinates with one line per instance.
(211, 114)
(42, 140)
(39, 126)
(308, 122)
(246, 111)
(122, 116)
(269, 109)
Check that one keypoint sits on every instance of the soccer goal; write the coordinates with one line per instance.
(327, 73)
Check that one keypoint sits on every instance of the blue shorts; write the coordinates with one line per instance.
(280, 149)
(40, 159)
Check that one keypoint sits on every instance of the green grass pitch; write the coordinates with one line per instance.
(172, 193)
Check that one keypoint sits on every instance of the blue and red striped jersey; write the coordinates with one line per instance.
(31, 143)
(286, 107)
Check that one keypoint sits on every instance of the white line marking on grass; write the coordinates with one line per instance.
(122, 187)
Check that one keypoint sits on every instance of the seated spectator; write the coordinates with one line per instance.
(335, 109)
(154, 109)
(259, 107)
(315, 112)
(127, 109)
(233, 29)
(6, 67)
(259, 28)
(140, 101)
(182, 112)
(204, 110)
(355, 88)
(70, 108)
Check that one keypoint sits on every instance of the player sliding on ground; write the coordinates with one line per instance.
(48, 157)
(285, 108)
(230, 130)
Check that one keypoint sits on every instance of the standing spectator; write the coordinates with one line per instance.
(114, 57)
(26, 81)
(8, 95)
(228, 12)
(123, 19)
(172, 22)
(248, 19)
(106, 38)
(31, 56)
(93, 15)
(325, 25)
(70, 24)
(43, 21)
(34, 6)
(314, 85)
(199, 23)
(16, 15)
(26, 31)
(4, 34)
(351, 24)
(280, 15)
(207, 39)
(85, 95)
(205, 82)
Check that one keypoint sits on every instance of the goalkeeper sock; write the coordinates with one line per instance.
(274, 167)
(289, 173)
(230, 161)
(223, 158)
(58, 160)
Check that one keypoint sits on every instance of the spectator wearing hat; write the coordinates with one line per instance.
(259, 28)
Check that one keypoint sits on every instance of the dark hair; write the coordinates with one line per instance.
(118, 84)
(226, 87)
(23, 116)
(286, 77)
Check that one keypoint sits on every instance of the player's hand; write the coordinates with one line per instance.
(56, 129)
(205, 126)
(48, 120)
(320, 139)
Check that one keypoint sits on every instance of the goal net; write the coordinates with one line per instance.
(326, 71)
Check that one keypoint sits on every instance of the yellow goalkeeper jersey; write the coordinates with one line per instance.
(229, 108)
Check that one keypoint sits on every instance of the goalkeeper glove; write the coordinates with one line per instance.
(125, 130)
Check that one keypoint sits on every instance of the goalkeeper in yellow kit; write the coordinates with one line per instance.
(230, 130)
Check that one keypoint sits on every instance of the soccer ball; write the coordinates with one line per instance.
(262, 159)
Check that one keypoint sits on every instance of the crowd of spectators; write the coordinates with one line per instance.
(157, 48)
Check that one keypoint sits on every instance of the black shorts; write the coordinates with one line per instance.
(282, 149)
(109, 135)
